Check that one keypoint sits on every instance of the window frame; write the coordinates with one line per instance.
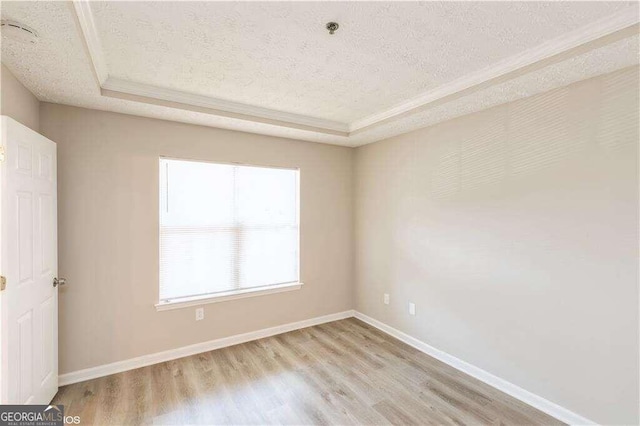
(237, 293)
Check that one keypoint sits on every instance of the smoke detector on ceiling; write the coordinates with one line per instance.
(13, 30)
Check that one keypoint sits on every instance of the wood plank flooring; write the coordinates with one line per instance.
(340, 373)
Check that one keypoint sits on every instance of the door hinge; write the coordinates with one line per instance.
(3, 283)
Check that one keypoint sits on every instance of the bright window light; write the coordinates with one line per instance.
(226, 227)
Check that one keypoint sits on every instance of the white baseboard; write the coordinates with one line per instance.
(145, 360)
(509, 388)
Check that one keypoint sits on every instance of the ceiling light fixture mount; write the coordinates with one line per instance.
(332, 27)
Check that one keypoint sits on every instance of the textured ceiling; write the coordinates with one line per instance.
(278, 55)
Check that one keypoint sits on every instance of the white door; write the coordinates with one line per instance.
(29, 264)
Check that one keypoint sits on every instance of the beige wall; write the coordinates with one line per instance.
(515, 232)
(17, 101)
(108, 233)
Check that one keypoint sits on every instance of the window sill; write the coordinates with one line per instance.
(227, 295)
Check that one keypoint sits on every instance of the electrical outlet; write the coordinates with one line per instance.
(412, 308)
(386, 298)
(199, 314)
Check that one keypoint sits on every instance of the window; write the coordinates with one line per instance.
(226, 229)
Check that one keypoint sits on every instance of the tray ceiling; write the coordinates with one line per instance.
(273, 68)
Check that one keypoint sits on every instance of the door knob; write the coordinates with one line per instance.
(59, 281)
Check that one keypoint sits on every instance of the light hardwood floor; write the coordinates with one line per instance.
(340, 373)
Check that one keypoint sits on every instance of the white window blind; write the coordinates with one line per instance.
(226, 227)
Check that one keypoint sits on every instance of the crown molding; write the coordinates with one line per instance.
(605, 31)
(91, 39)
(141, 92)
(560, 48)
